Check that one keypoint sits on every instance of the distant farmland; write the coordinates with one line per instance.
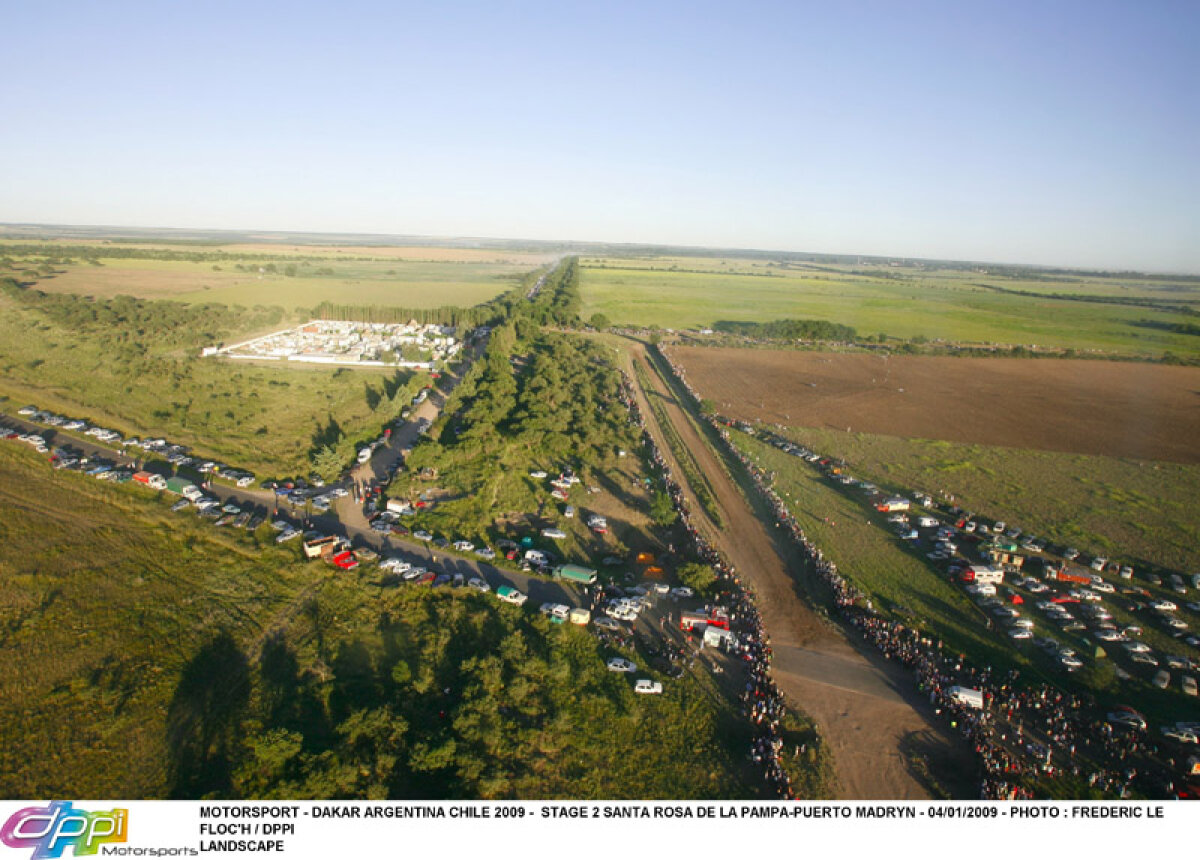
(1145, 411)
(367, 282)
(1129, 315)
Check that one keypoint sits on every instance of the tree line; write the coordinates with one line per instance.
(789, 329)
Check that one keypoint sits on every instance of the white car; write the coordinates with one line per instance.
(478, 584)
(1103, 587)
(556, 534)
(1070, 661)
(645, 685)
(537, 473)
(1164, 606)
(1106, 634)
(558, 610)
(1185, 736)
(288, 535)
(620, 664)
(421, 534)
(1136, 647)
(396, 564)
(463, 545)
(485, 552)
(1020, 633)
(510, 595)
(682, 591)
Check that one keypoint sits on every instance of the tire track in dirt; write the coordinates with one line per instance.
(868, 710)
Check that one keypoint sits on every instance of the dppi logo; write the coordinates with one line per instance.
(50, 829)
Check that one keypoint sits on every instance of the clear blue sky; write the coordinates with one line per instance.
(1043, 132)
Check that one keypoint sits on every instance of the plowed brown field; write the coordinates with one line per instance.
(1146, 411)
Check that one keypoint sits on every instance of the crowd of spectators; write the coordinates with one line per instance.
(1026, 733)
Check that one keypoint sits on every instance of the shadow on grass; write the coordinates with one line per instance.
(205, 717)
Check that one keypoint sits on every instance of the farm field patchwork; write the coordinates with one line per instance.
(1118, 409)
(952, 305)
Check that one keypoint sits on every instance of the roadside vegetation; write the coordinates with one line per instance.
(691, 470)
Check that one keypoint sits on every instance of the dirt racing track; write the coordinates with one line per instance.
(867, 710)
(1119, 409)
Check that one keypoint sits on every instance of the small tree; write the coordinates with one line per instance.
(707, 407)
(599, 321)
(698, 577)
(661, 509)
(327, 463)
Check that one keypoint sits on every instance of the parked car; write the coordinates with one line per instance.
(511, 595)
(1128, 718)
(646, 686)
(620, 664)
(478, 584)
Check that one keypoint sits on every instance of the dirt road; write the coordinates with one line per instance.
(867, 709)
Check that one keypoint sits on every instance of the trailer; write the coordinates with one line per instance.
(319, 545)
(982, 574)
(967, 696)
(575, 573)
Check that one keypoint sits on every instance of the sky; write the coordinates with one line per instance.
(1055, 133)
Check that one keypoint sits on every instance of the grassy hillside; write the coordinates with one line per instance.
(145, 654)
(105, 598)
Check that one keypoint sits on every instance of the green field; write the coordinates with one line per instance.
(1142, 513)
(902, 583)
(147, 654)
(256, 416)
(949, 305)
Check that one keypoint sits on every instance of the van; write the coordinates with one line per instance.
(191, 492)
(967, 696)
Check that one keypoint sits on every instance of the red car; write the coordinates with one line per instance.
(346, 560)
